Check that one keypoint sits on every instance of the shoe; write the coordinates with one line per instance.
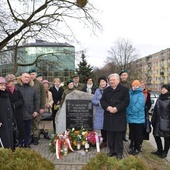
(111, 154)
(20, 146)
(157, 152)
(163, 155)
(35, 142)
(119, 157)
(135, 152)
(103, 145)
(31, 140)
(130, 151)
(131, 146)
(125, 140)
(46, 136)
(27, 146)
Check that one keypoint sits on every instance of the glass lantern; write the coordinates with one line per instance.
(65, 149)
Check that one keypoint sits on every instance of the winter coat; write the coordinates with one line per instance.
(6, 130)
(79, 87)
(118, 98)
(56, 94)
(66, 91)
(148, 104)
(41, 92)
(31, 99)
(161, 109)
(99, 112)
(136, 109)
(49, 101)
(17, 102)
(126, 84)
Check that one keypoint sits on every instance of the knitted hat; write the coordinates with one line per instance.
(10, 77)
(2, 80)
(136, 83)
(45, 81)
(32, 70)
(166, 86)
(69, 81)
(102, 78)
(123, 71)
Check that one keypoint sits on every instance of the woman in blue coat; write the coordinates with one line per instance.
(136, 116)
(99, 112)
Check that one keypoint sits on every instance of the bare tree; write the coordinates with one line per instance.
(43, 18)
(122, 54)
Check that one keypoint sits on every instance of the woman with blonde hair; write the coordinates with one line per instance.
(47, 124)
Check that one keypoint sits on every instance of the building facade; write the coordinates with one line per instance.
(154, 69)
(50, 59)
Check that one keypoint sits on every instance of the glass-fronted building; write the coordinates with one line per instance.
(50, 59)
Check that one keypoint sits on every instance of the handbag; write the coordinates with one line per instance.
(164, 125)
(147, 123)
(47, 116)
(148, 126)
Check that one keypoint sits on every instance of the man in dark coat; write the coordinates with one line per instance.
(31, 103)
(114, 101)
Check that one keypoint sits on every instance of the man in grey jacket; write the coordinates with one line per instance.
(31, 103)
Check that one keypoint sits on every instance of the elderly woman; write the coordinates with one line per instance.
(99, 112)
(47, 124)
(6, 128)
(136, 116)
(162, 110)
(69, 89)
(17, 103)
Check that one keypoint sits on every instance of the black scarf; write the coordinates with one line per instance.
(3, 94)
(164, 96)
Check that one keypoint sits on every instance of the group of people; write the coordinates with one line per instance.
(24, 99)
(118, 103)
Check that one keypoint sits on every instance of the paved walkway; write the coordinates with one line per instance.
(75, 160)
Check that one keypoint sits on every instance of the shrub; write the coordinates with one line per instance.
(23, 159)
(103, 162)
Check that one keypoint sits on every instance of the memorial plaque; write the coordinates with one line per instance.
(79, 113)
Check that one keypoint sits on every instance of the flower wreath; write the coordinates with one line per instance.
(70, 138)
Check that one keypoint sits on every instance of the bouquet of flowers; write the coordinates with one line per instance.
(91, 138)
(77, 135)
(57, 143)
(70, 138)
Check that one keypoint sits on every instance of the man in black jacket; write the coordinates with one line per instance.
(114, 101)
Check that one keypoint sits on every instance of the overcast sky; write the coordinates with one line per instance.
(145, 23)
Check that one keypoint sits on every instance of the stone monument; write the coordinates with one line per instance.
(76, 112)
